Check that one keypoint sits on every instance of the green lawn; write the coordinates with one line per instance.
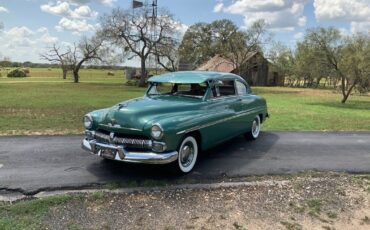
(46, 104)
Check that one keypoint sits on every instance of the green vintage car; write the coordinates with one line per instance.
(181, 114)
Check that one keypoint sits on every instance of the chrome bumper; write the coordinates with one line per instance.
(126, 156)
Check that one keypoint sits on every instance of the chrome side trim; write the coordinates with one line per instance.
(133, 157)
(219, 121)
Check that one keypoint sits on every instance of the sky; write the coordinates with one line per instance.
(30, 26)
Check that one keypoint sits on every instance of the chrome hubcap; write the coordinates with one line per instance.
(187, 154)
(255, 128)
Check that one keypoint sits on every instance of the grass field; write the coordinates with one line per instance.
(46, 104)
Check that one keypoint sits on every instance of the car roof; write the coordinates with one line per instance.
(192, 77)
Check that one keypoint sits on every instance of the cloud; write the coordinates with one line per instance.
(278, 14)
(60, 8)
(84, 12)
(24, 44)
(218, 7)
(64, 9)
(19, 36)
(104, 2)
(360, 27)
(181, 28)
(3, 10)
(298, 36)
(348, 10)
(74, 25)
(357, 12)
(45, 37)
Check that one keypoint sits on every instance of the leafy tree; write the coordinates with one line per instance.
(242, 43)
(355, 63)
(283, 60)
(345, 58)
(202, 41)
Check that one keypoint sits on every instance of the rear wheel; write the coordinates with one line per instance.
(254, 133)
(188, 154)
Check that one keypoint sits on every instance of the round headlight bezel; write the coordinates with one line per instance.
(88, 121)
(156, 131)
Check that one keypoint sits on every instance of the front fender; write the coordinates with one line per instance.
(177, 126)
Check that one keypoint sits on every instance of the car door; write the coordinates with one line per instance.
(223, 105)
(245, 106)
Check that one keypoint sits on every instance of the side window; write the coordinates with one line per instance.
(223, 88)
(241, 88)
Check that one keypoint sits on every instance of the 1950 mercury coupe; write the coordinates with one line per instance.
(181, 114)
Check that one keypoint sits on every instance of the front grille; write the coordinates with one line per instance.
(127, 142)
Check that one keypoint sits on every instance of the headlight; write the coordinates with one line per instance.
(156, 132)
(88, 121)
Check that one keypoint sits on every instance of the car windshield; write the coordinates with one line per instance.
(181, 90)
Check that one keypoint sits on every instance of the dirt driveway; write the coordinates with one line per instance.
(330, 201)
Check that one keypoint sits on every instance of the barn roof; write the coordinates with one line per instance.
(221, 64)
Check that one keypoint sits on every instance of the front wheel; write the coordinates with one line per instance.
(255, 129)
(188, 154)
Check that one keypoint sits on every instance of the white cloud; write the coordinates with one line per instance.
(352, 10)
(357, 12)
(360, 27)
(278, 14)
(42, 30)
(60, 8)
(3, 10)
(74, 25)
(298, 36)
(84, 12)
(64, 9)
(104, 2)
(218, 7)
(181, 28)
(45, 37)
(24, 44)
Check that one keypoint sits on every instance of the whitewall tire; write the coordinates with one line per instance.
(188, 154)
(254, 133)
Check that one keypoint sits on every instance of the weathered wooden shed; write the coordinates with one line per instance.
(257, 72)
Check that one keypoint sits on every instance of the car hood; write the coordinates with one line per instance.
(136, 113)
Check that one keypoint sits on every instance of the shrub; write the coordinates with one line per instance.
(132, 83)
(17, 73)
(26, 71)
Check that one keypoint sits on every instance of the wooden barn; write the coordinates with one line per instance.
(258, 71)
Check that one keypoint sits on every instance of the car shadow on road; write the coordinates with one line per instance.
(215, 163)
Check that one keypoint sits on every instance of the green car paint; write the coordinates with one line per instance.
(212, 120)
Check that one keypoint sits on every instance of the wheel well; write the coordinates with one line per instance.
(261, 117)
(196, 134)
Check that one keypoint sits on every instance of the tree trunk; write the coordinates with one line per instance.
(76, 76)
(346, 94)
(65, 71)
(143, 73)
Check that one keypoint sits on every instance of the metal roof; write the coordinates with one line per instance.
(192, 77)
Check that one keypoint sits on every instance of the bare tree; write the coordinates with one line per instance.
(55, 55)
(166, 54)
(87, 50)
(137, 34)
